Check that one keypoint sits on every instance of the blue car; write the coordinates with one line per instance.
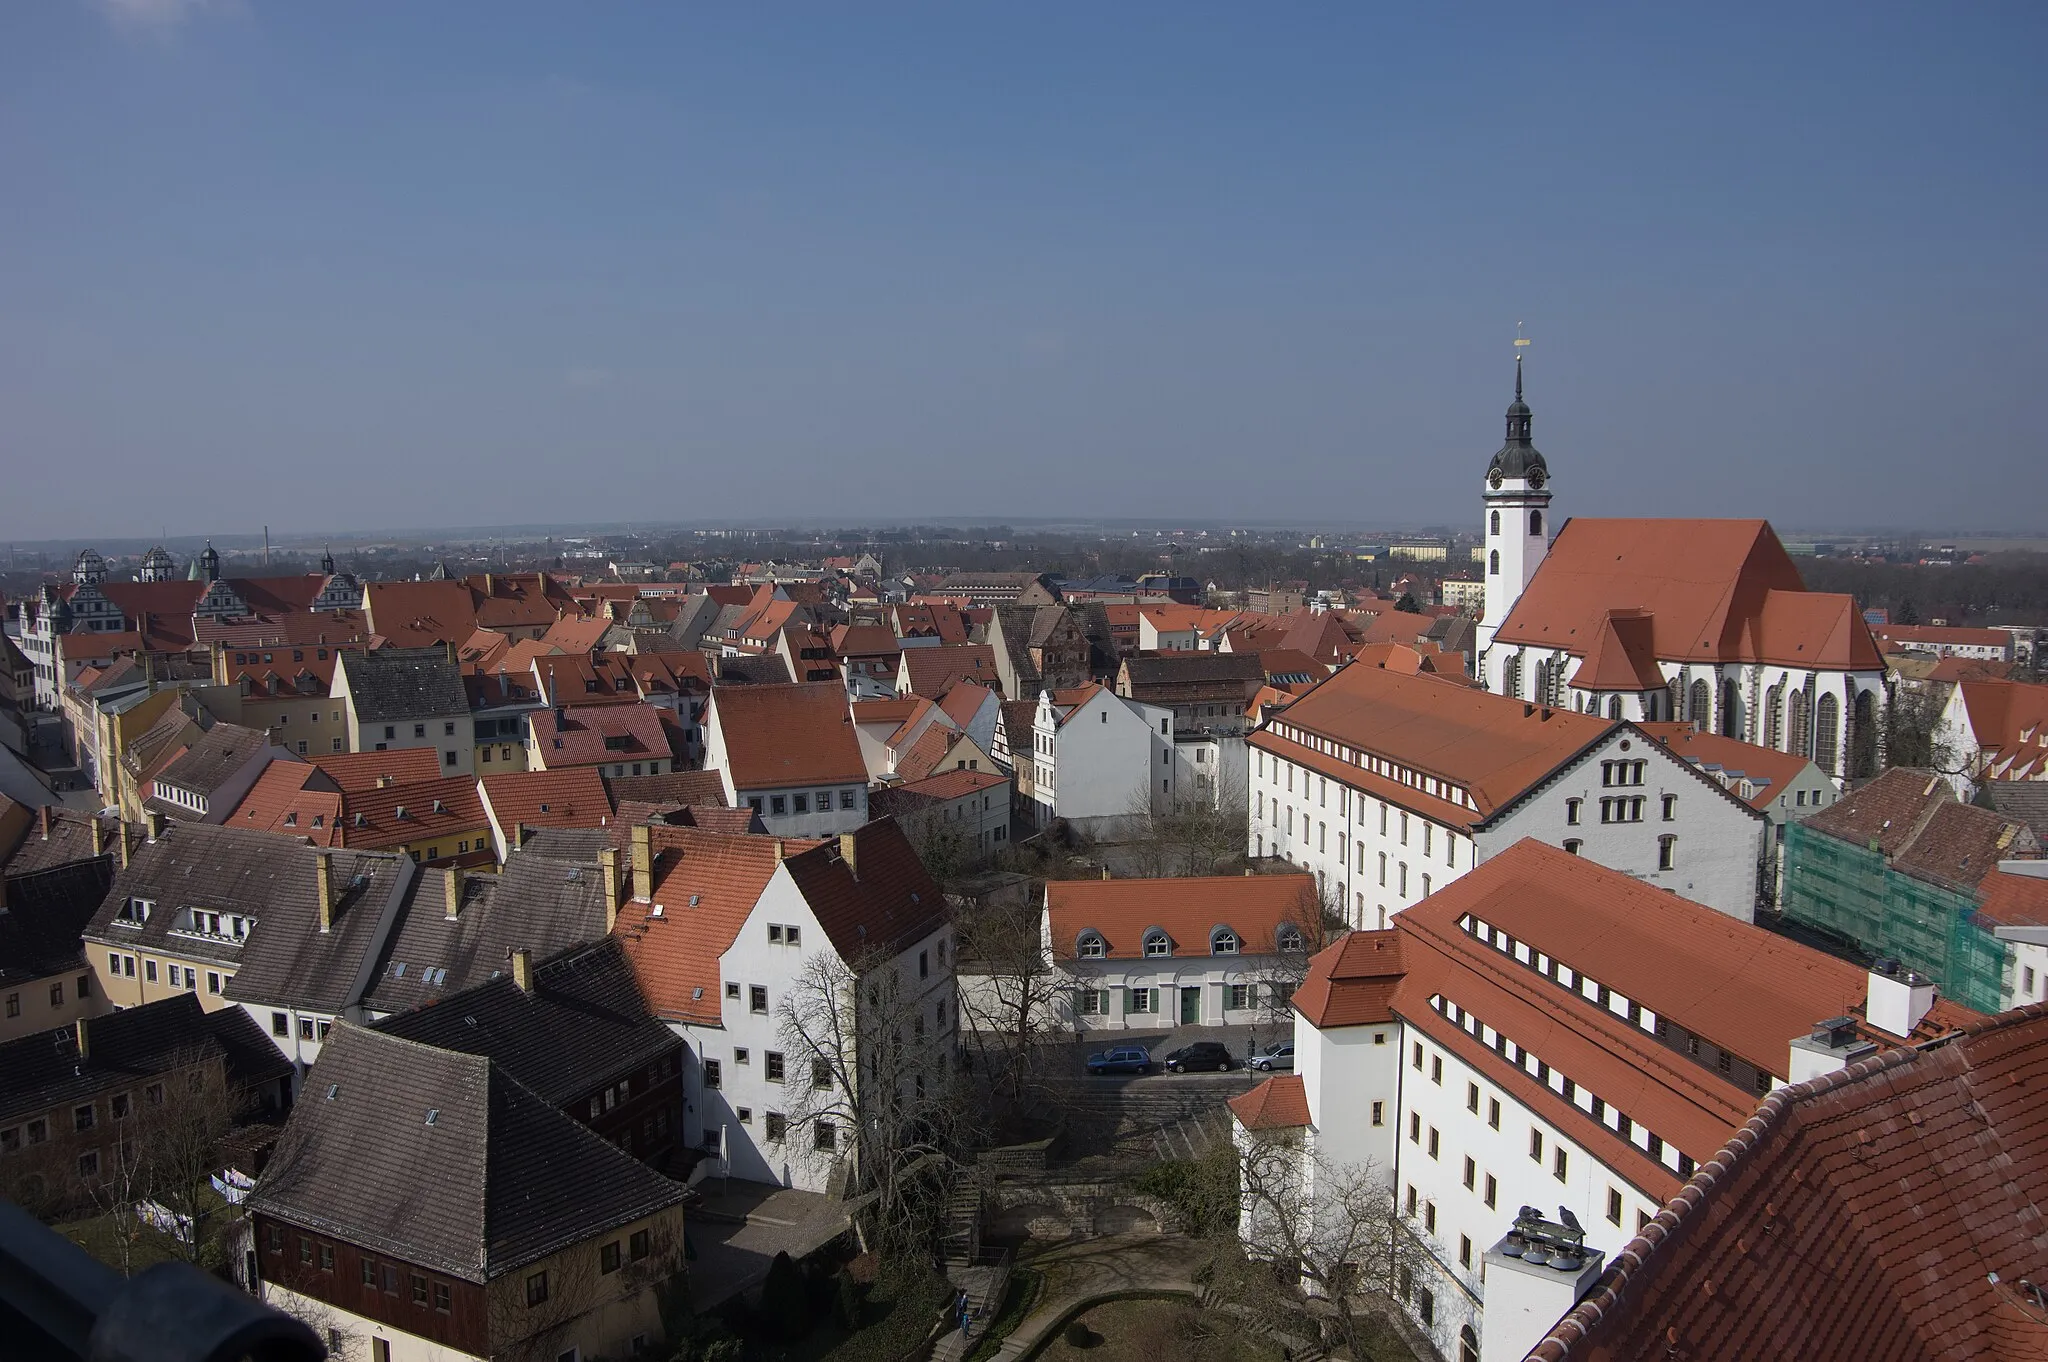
(1121, 1059)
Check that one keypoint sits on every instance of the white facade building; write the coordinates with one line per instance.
(1095, 755)
(1389, 786)
(790, 753)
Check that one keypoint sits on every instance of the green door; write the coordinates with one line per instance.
(1190, 1006)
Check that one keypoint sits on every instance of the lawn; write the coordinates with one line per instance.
(101, 1237)
(1157, 1331)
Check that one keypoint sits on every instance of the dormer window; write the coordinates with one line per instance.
(1288, 938)
(1091, 946)
(1223, 941)
(1158, 943)
(135, 911)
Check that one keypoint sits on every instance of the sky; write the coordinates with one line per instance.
(383, 264)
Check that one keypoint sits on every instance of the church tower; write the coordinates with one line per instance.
(1517, 497)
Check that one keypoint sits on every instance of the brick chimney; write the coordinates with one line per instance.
(99, 833)
(323, 889)
(127, 848)
(643, 864)
(451, 885)
(847, 849)
(522, 969)
(155, 822)
(608, 860)
(84, 1040)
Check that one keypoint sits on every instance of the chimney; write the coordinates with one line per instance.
(99, 834)
(609, 860)
(323, 890)
(451, 651)
(1534, 1276)
(1833, 1045)
(846, 854)
(518, 836)
(643, 864)
(522, 969)
(43, 816)
(451, 886)
(155, 822)
(778, 851)
(1898, 998)
(84, 1041)
(126, 847)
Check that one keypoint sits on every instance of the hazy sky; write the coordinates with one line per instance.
(359, 265)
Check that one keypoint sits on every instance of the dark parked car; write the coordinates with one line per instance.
(1279, 1055)
(1121, 1059)
(1203, 1054)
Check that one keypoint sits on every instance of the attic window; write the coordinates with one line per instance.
(1223, 941)
(1158, 943)
(543, 808)
(1091, 946)
(433, 1116)
(332, 1089)
(1288, 937)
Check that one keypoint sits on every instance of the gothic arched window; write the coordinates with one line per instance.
(1493, 563)
(1827, 728)
(1495, 523)
(1701, 710)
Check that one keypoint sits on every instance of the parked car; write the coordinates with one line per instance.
(1121, 1059)
(1279, 1055)
(1203, 1054)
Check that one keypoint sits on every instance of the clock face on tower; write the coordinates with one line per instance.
(1536, 478)
(1493, 478)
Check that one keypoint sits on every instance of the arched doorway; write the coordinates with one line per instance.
(1827, 732)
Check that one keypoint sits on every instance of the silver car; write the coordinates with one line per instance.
(1279, 1055)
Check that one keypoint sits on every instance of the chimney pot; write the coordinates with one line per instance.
(522, 969)
(323, 890)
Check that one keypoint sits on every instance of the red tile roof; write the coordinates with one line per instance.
(364, 770)
(292, 799)
(957, 783)
(397, 815)
(1770, 772)
(864, 640)
(782, 735)
(1943, 634)
(1122, 911)
(1352, 983)
(964, 701)
(1493, 747)
(878, 900)
(1623, 656)
(1279, 1103)
(569, 797)
(1887, 1210)
(1714, 590)
(419, 614)
(2008, 900)
(930, 671)
(706, 883)
(599, 735)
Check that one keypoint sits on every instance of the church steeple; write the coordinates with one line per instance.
(1516, 504)
(327, 562)
(1517, 458)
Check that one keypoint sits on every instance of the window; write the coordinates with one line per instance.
(442, 1301)
(1536, 1145)
(757, 999)
(369, 1267)
(1667, 852)
(1492, 1191)
(799, 803)
(1613, 1206)
(1224, 942)
(823, 1137)
(305, 1028)
(746, 1115)
(14, 1004)
(713, 1075)
(1670, 807)
(148, 971)
(1091, 947)
(1414, 1127)
(1471, 1173)
(82, 1117)
(846, 799)
(119, 1106)
(38, 1130)
(1436, 1070)
(1418, 1056)
(821, 1074)
(773, 1061)
(419, 730)
(775, 934)
(380, 1350)
(777, 804)
(1379, 1113)
(305, 1249)
(778, 1126)
(1468, 1338)
(537, 1288)
(213, 981)
(89, 1163)
(1559, 1162)
(1435, 1140)
(608, 1258)
(732, 992)
(1493, 1112)
(924, 965)
(639, 1244)
(1572, 845)
(1156, 943)
(1571, 811)
(1465, 1250)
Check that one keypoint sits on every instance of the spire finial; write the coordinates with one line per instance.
(1521, 344)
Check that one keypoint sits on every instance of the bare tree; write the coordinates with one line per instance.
(940, 845)
(1308, 925)
(870, 1084)
(1317, 1239)
(1912, 730)
(1008, 993)
(1192, 837)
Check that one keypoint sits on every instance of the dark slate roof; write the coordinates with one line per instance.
(583, 1026)
(536, 903)
(498, 1180)
(768, 669)
(69, 838)
(45, 914)
(568, 844)
(259, 875)
(224, 750)
(43, 1070)
(404, 683)
(2026, 800)
(670, 787)
(1182, 668)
